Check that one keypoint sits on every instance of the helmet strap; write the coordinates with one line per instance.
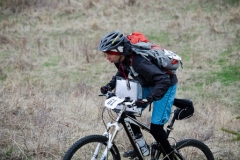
(120, 57)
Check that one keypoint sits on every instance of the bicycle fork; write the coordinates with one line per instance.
(109, 143)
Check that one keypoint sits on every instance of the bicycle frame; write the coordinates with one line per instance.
(125, 108)
(126, 121)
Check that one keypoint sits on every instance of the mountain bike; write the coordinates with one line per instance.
(102, 147)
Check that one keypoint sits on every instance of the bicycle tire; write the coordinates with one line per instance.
(78, 148)
(192, 149)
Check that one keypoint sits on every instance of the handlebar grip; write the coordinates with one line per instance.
(108, 94)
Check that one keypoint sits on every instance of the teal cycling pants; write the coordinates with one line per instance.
(162, 108)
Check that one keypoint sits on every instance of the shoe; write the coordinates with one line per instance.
(130, 154)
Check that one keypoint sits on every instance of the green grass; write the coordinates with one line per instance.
(229, 74)
(3, 77)
(230, 71)
(237, 138)
(56, 35)
(232, 2)
(186, 54)
(52, 62)
(159, 37)
(5, 54)
(2, 3)
(191, 7)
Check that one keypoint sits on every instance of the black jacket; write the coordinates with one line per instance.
(149, 75)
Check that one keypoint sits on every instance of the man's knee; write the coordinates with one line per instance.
(158, 131)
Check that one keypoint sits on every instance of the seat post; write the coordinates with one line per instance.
(170, 126)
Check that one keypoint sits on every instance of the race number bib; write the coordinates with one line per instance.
(113, 102)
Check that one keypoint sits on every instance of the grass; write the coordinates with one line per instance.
(230, 71)
(232, 132)
(229, 74)
(53, 61)
(51, 72)
(3, 77)
(159, 37)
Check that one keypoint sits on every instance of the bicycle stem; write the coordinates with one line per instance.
(120, 114)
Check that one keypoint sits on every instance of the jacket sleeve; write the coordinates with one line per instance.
(112, 82)
(158, 79)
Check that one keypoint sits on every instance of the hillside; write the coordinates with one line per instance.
(51, 71)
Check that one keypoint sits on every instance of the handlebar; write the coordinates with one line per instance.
(121, 105)
(127, 100)
(108, 94)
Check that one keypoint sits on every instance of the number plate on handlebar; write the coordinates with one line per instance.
(113, 102)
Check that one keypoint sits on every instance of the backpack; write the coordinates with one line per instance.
(163, 58)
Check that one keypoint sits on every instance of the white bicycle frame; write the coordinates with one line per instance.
(110, 140)
(110, 103)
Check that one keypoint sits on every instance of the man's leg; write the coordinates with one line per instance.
(162, 108)
(160, 136)
(140, 140)
(160, 115)
(136, 130)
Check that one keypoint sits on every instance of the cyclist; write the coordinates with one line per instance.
(159, 87)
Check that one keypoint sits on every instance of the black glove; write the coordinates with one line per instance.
(142, 103)
(105, 89)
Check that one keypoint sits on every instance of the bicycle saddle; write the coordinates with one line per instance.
(182, 103)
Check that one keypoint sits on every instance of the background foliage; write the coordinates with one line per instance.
(51, 71)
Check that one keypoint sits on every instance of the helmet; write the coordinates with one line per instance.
(112, 41)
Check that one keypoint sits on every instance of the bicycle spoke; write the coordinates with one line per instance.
(192, 153)
(192, 150)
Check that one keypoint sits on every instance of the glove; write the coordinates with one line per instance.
(105, 89)
(142, 103)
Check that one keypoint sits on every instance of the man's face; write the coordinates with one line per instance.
(112, 58)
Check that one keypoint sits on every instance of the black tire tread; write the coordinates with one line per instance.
(88, 139)
(198, 144)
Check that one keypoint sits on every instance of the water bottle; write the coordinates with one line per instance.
(142, 144)
(154, 147)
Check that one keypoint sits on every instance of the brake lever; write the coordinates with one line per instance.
(108, 94)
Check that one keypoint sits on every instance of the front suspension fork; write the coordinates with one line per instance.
(110, 137)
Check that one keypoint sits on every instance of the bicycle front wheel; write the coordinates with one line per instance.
(92, 147)
(191, 149)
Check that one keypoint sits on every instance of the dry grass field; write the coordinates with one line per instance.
(51, 71)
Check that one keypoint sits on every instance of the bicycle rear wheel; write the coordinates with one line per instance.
(91, 148)
(191, 149)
